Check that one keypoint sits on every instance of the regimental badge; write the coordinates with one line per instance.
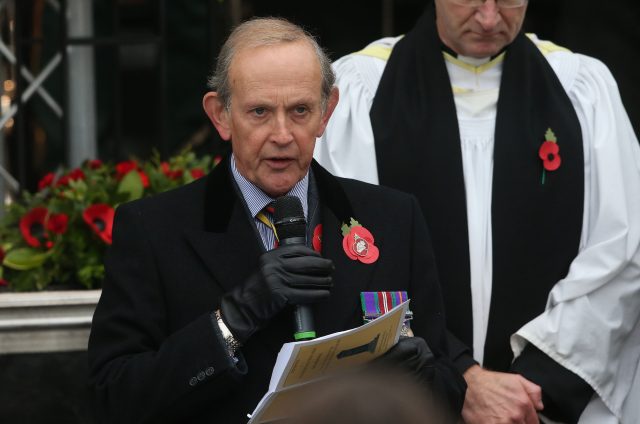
(360, 246)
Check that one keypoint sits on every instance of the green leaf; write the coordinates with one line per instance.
(345, 229)
(550, 136)
(78, 189)
(355, 223)
(25, 258)
(131, 185)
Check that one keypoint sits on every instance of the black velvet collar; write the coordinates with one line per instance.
(220, 197)
(535, 228)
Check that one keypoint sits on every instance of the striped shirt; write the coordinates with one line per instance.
(257, 199)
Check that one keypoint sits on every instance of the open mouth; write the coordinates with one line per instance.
(279, 163)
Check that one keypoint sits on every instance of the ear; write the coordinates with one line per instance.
(218, 114)
(332, 102)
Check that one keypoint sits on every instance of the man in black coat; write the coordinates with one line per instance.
(197, 304)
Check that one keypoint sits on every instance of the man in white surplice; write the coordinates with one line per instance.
(590, 324)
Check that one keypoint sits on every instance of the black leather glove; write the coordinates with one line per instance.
(289, 275)
(411, 355)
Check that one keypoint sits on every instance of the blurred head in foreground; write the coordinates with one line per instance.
(372, 397)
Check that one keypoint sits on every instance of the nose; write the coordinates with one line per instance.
(281, 131)
(488, 15)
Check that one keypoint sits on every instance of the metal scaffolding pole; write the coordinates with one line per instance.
(81, 112)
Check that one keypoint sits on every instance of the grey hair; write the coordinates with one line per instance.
(260, 32)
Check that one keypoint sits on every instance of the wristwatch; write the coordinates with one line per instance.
(231, 343)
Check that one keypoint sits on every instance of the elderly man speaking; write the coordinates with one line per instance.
(199, 298)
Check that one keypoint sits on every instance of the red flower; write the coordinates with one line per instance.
(32, 226)
(217, 160)
(100, 218)
(123, 168)
(57, 223)
(197, 173)
(64, 180)
(172, 175)
(74, 175)
(549, 154)
(94, 164)
(46, 181)
(358, 245)
(3, 282)
(144, 178)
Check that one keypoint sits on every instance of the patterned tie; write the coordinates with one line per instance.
(266, 217)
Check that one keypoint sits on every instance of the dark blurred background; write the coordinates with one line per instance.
(151, 59)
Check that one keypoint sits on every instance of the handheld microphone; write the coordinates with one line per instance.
(291, 227)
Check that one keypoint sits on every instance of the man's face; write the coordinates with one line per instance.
(477, 31)
(276, 113)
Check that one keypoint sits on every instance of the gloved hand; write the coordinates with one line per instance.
(411, 355)
(289, 275)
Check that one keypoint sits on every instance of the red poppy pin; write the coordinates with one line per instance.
(317, 238)
(358, 243)
(549, 153)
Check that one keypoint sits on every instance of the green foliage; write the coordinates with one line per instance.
(131, 186)
(62, 249)
(25, 258)
(346, 229)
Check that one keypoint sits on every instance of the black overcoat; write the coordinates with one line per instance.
(153, 353)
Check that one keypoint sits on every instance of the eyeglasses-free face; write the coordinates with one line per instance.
(502, 4)
(479, 28)
(276, 113)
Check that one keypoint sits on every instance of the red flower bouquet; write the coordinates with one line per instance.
(58, 235)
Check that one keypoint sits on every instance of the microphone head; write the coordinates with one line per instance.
(289, 220)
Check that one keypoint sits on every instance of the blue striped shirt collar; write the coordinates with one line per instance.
(256, 199)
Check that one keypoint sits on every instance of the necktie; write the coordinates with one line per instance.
(266, 217)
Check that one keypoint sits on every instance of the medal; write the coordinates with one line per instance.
(376, 304)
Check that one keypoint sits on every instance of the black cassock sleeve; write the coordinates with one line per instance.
(564, 394)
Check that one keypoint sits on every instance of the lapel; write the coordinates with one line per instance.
(227, 243)
(342, 310)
